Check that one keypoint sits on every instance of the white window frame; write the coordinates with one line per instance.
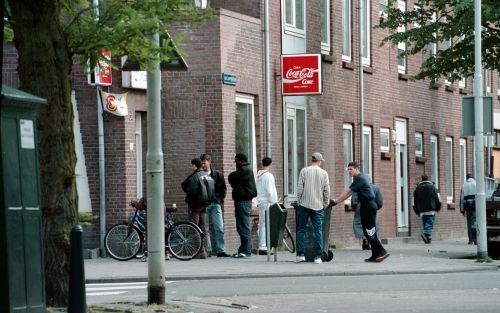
(325, 10)
(350, 149)
(346, 33)
(447, 43)
(367, 151)
(487, 81)
(416, 7)
(385, 133)
(434, 155)
(449, 169)
(419, 138)
(383, 8)
(366, 24)
(291, 28)
(138, 154)
(463, 160)
(201, 4)
(250, 101)
(401, 45)
(433, 45)
(291, 113)
(498, 84)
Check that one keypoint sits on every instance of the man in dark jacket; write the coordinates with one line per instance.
(426, 201)
(214, 209)
(244, 190)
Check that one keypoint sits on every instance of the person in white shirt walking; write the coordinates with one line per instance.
(266, 196)
(468, 206)
(313, 196)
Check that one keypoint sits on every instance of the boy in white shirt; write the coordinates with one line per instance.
(266, 196)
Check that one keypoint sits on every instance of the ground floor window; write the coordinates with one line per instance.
(434, 161)
(295, 146)
(245, 127)
(348, 153)
(449, 169)
(463, 160)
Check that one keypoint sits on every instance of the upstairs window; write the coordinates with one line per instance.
(346, 30)
(325, 26)
(295, 17)
(366, 32)
(402, 45)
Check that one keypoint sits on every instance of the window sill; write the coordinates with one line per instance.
(367, 69)
(349, 208)
(462, 91)
(435, 86)
(451, 206)
(420, 159)
(347, 65)
(386, 155)
(404, 77)
(449, 88)
(327, 57)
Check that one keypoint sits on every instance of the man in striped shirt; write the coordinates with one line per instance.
(313, 195)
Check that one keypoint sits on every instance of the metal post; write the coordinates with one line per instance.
(361, 86)
(77, 298)
(268, 235)
(267, 88)
(154, 172)
(482, 248)
(102, 173)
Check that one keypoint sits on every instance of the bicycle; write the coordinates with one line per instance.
(124, 241)
(288, 240)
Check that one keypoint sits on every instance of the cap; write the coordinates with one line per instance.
(317, 157)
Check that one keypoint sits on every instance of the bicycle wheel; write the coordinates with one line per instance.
(123, 241)
(288, 240)
(184, 240)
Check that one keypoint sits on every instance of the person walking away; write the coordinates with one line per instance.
(214, 209)
(200, 191)
(266, 196)
(426, 201)
(244, 190)
(368, 210)
(356, 221)
(313, 196)
(468, 206)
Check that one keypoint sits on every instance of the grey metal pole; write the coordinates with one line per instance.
(482, 248)
(154, 173)
(267, 79)
(361, 87)
(102, 177)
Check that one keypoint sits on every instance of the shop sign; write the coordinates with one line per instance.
(301, 74)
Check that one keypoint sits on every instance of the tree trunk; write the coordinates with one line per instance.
(44, 70)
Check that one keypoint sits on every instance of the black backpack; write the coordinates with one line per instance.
(206, 189)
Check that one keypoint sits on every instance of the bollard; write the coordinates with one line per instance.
(77, 297)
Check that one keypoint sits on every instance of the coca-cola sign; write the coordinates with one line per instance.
(301, 74)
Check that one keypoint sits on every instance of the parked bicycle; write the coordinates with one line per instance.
(288, 240)
(124, 241)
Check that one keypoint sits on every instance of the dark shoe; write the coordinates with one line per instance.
(222, 255)
(370, 259)
(263, 252)
(201, 255)
(382, 257)
(425, 238)
(364, 245)
(471, 242)
(240, 256)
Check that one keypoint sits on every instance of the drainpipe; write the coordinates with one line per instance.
(361, 87)
(267, 88)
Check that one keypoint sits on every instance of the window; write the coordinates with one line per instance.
(402, 45)
(462, 82)
(449, 169)
(463, 160)
(346, 30)
(202, 4)
(382, 8)
(498, 84)
(295, 17)
(367, 151)
(447, 45)
(295, 147)
(419, 146)
(366, 32)
(245, 128)
(325, 26)
(384, 140)
(487, 81)
(496, 138)
(434, 161)
(348, 153)
(433, 45)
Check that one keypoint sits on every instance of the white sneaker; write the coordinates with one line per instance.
(317, 261)
(300, 258)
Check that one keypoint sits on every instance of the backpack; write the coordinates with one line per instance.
(379, 199)
(206, 189)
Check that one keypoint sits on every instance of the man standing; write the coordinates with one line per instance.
(214, 210)
(266, 196)
(426, 201)
(244, 190)
(200, 190)
(368, 210)
(468, 206)
(313, 196)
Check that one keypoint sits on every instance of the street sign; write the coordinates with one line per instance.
(301, 74)
(468, 122)
(229, 79)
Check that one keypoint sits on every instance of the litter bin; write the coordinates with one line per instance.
(309, 253)
(277, 221)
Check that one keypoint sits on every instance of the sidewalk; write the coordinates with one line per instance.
(406, 258)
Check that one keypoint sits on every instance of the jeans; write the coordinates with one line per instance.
(214, 216)
(368, 212)
(471, 221)
(428, 224)
(302, 217)
(197, 216)
(242, 210)
(263, 207)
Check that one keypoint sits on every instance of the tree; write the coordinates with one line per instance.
(50, 36)
(450, 25)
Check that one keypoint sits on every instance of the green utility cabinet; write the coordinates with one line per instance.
(21, 236)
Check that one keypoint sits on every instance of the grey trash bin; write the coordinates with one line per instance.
(277, 221)
(309, 253)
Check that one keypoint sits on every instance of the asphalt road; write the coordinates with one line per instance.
(477, 292)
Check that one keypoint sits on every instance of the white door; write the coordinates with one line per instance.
(401, 154)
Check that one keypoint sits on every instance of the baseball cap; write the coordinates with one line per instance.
(316, 156)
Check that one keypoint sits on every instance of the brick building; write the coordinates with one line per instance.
(409, 128)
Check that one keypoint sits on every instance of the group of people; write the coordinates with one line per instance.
(206, 190)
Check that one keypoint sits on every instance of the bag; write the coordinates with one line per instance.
(206, 189)
(379, 199)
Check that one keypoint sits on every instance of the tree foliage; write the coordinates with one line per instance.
(438, 21)
(50, 35)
